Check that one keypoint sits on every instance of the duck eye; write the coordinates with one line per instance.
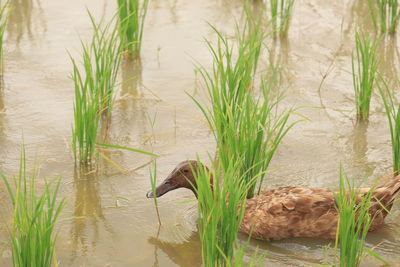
(185, 171)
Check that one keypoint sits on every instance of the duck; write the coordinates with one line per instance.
(288, 212)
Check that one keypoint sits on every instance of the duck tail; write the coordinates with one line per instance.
(393, 185)
(389, 191)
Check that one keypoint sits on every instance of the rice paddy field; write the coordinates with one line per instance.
(107, 219)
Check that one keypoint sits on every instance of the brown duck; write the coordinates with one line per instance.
(289, 211)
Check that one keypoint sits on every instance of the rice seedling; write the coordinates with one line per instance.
(132, 14)
(94, 83)
(153, 181)
(86, 120)
(3, 21)
(256, 134)
(220, 213)
(364, 70)
(255, 259)
(35, 215)
(281, 14)
(392, 109)
(243, 125)
(104, 55)
(354, 221)
(128, 149)
(385, 14)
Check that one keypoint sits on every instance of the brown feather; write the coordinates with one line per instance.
(307, 212)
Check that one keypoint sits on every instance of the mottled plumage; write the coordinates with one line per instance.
(290, 211)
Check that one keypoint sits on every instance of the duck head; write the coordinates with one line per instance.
(181, 177)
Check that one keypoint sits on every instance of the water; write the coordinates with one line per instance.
(115, 224)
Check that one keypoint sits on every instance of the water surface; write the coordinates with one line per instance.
(115, 224)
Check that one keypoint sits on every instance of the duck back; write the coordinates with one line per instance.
(308, 212)
(291, 212)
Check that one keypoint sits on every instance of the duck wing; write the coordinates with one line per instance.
(291, 212)
(308, 212)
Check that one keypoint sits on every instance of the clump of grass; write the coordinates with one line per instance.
(94, 83)
(281, 14)
(385, 15)
(244, 124)
(220, 199)
(132, 14)
(354, 221)
(392, 109)
(3, 21)
(34, 218)
(364, 70)
(104, 53)
(86, 120)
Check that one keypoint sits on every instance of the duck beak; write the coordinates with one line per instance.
(163, 188)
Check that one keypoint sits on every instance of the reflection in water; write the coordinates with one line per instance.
(2, 119)
(88, 212)
(104, 12)
(279, 61)
(389, 56)
(172, 8)
(258, 11)
(288, 252)
(359, 17)
(284, 51)
(133, 105)
(105, 125)
(26, 18)
(228, 11)
(155, 264)
(171, 5)
(2, 108)
(183, 254)
(131, 77)
(279, 51)
(359, 142)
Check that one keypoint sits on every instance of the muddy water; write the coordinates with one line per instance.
(115, 225)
